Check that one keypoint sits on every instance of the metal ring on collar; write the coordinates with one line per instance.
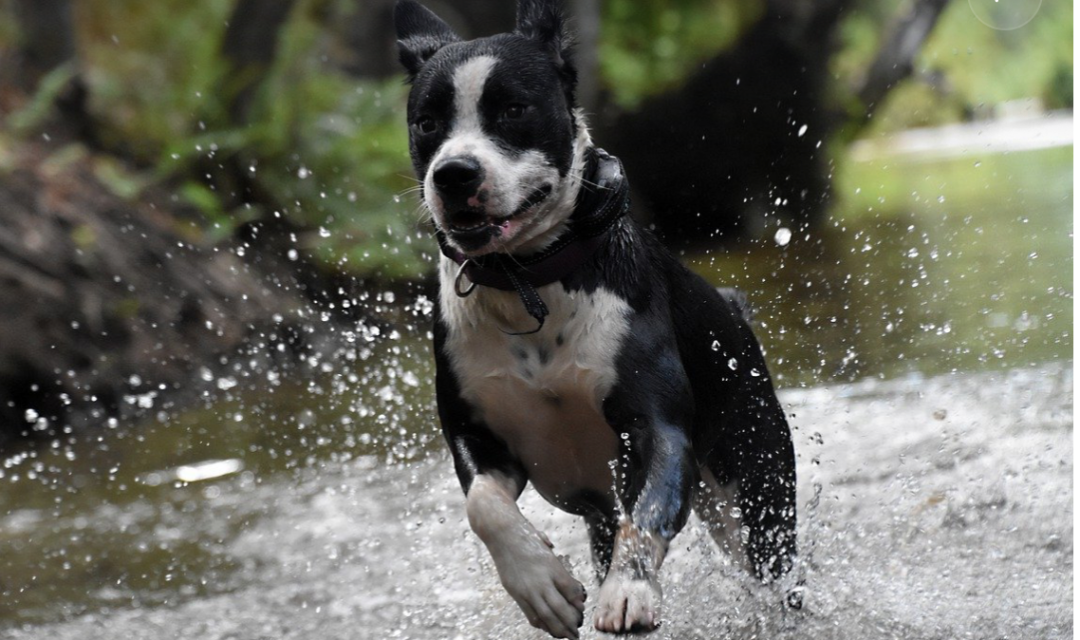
(457, 282)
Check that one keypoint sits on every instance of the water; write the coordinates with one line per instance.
(923, 341)
(934, 267)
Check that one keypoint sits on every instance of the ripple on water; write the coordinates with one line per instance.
(930, 508)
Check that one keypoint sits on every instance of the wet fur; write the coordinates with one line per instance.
(643, 382)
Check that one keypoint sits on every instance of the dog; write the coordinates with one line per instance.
(572, 350)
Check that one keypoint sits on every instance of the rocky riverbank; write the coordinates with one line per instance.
(108, 299)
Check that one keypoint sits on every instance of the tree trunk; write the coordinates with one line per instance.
(250, 45)
(47, 43)
(896, 57)
(585, 24)
(744, 140)
(369, 34)
(48, 39)
(741, 140)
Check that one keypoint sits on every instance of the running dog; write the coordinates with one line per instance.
(572, 350)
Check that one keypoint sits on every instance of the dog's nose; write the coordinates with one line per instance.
(458, 178)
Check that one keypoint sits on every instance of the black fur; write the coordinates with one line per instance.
(420, 34)
(548, 125)
(692, 391)
(677, 396)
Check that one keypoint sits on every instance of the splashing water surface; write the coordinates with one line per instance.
(924, 354)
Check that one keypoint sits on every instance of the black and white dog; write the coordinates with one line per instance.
(572, 350)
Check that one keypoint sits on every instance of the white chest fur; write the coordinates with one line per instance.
(541, 393)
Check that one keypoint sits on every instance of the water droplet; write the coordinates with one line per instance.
(783, 236)
(733, 364)
(303, 173)
(802, 130)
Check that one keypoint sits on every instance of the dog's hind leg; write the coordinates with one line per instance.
(762, 463)
(740, 433)
(717, 506)
(748, 498)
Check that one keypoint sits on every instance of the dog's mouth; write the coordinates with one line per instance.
(473, 227)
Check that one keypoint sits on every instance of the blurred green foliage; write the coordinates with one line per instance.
(39, 108)
(649, 46)
(330, 150)
(966, 69)
(327, 148)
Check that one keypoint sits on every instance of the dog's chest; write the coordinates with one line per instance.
(542, 393)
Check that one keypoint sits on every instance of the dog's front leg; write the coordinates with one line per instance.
(530, 572)
(630, 596)
(660, 483)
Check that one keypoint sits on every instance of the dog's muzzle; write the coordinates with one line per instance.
(458, 179)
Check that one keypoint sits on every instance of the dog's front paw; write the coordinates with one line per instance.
(549, 596)
(628, 605)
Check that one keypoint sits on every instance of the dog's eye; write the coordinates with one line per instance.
(515, 112)
(426, 125)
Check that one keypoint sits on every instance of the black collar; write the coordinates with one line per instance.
(603, 200)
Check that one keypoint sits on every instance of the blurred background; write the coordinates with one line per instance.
(208, 256)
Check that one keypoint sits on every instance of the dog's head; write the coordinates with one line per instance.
(494, 133)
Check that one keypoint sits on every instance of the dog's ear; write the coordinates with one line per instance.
(543, 21)
(420, 33)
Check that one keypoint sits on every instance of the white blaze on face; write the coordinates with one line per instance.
(509, 179)
(469, 81)
(467, 136)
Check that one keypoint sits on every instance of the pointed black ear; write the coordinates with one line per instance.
(542, 20)
(420, 33)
